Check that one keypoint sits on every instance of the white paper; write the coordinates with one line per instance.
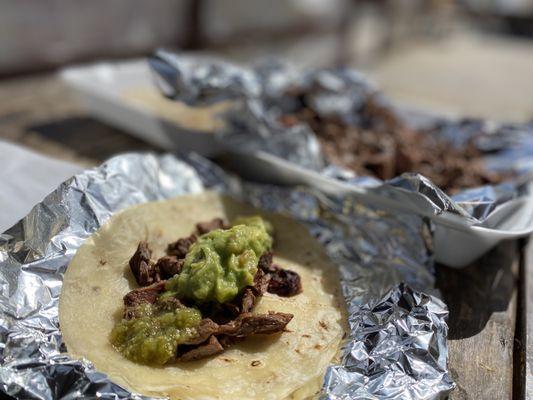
(25, 179)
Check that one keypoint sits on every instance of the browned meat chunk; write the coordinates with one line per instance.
(250, 324)
(180, 247)
(284, 282)
(383, 146)
(215, 223)
(136, 297)
(251, 294)
(146, 294)
(142, 267)
(203, 350)
(265, 261)
(169, 266)
(213, 338)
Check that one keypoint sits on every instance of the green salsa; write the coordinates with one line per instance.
(222, 262)
(152, 337)
(217, 267)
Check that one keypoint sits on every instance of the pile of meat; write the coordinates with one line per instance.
(381, 145)
(222, 324)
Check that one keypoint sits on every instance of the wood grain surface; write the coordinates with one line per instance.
(527, 337)
(482, 303)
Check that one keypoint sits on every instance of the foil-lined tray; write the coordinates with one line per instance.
(470, 222)
(396, 346)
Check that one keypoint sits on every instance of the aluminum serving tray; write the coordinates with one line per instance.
(458, 240)
(104, 88)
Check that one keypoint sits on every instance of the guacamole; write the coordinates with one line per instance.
(222, 262)
(152, 337)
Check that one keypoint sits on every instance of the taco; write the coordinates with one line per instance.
(204, 297)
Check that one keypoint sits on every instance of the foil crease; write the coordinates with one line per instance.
(252, 125)
(396, 346)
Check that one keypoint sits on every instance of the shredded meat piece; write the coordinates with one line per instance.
(380, 144)
(213, 338)
(248, 299)
(189, 353)
(147, 294)
(215, 223)
(248, 324)
(169, 266)
(284, 282)
(180, 247)
(142, 267)
(136, 297)
(265, 261)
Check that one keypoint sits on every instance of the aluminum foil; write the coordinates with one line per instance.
(396, 346)
(252, 125)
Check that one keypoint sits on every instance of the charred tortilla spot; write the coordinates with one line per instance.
(255, 363)
(323, 325)
(102, 262)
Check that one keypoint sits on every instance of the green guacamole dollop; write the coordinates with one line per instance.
(222, 262)
(152, 337)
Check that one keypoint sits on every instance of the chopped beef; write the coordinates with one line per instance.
(261, 280)
(147, 294)
(142, 267)
(215, 223)
(245, 302)
(284, 282)
(213, 338)
(380, 144)
(248, 299)
(248, 324)
(265, 261)
(252, 293)
(169, 266)
(189, 353)
(180, 247)
(136, 297)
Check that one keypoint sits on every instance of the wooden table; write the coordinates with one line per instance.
(491, 317)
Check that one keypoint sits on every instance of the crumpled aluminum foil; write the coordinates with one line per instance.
(396, 347)
(258, 97)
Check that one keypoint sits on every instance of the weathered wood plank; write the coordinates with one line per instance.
(41, 113)
(528, 296)
(482, 303)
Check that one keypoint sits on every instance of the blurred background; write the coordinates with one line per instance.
(472, 56)
(460, 58)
